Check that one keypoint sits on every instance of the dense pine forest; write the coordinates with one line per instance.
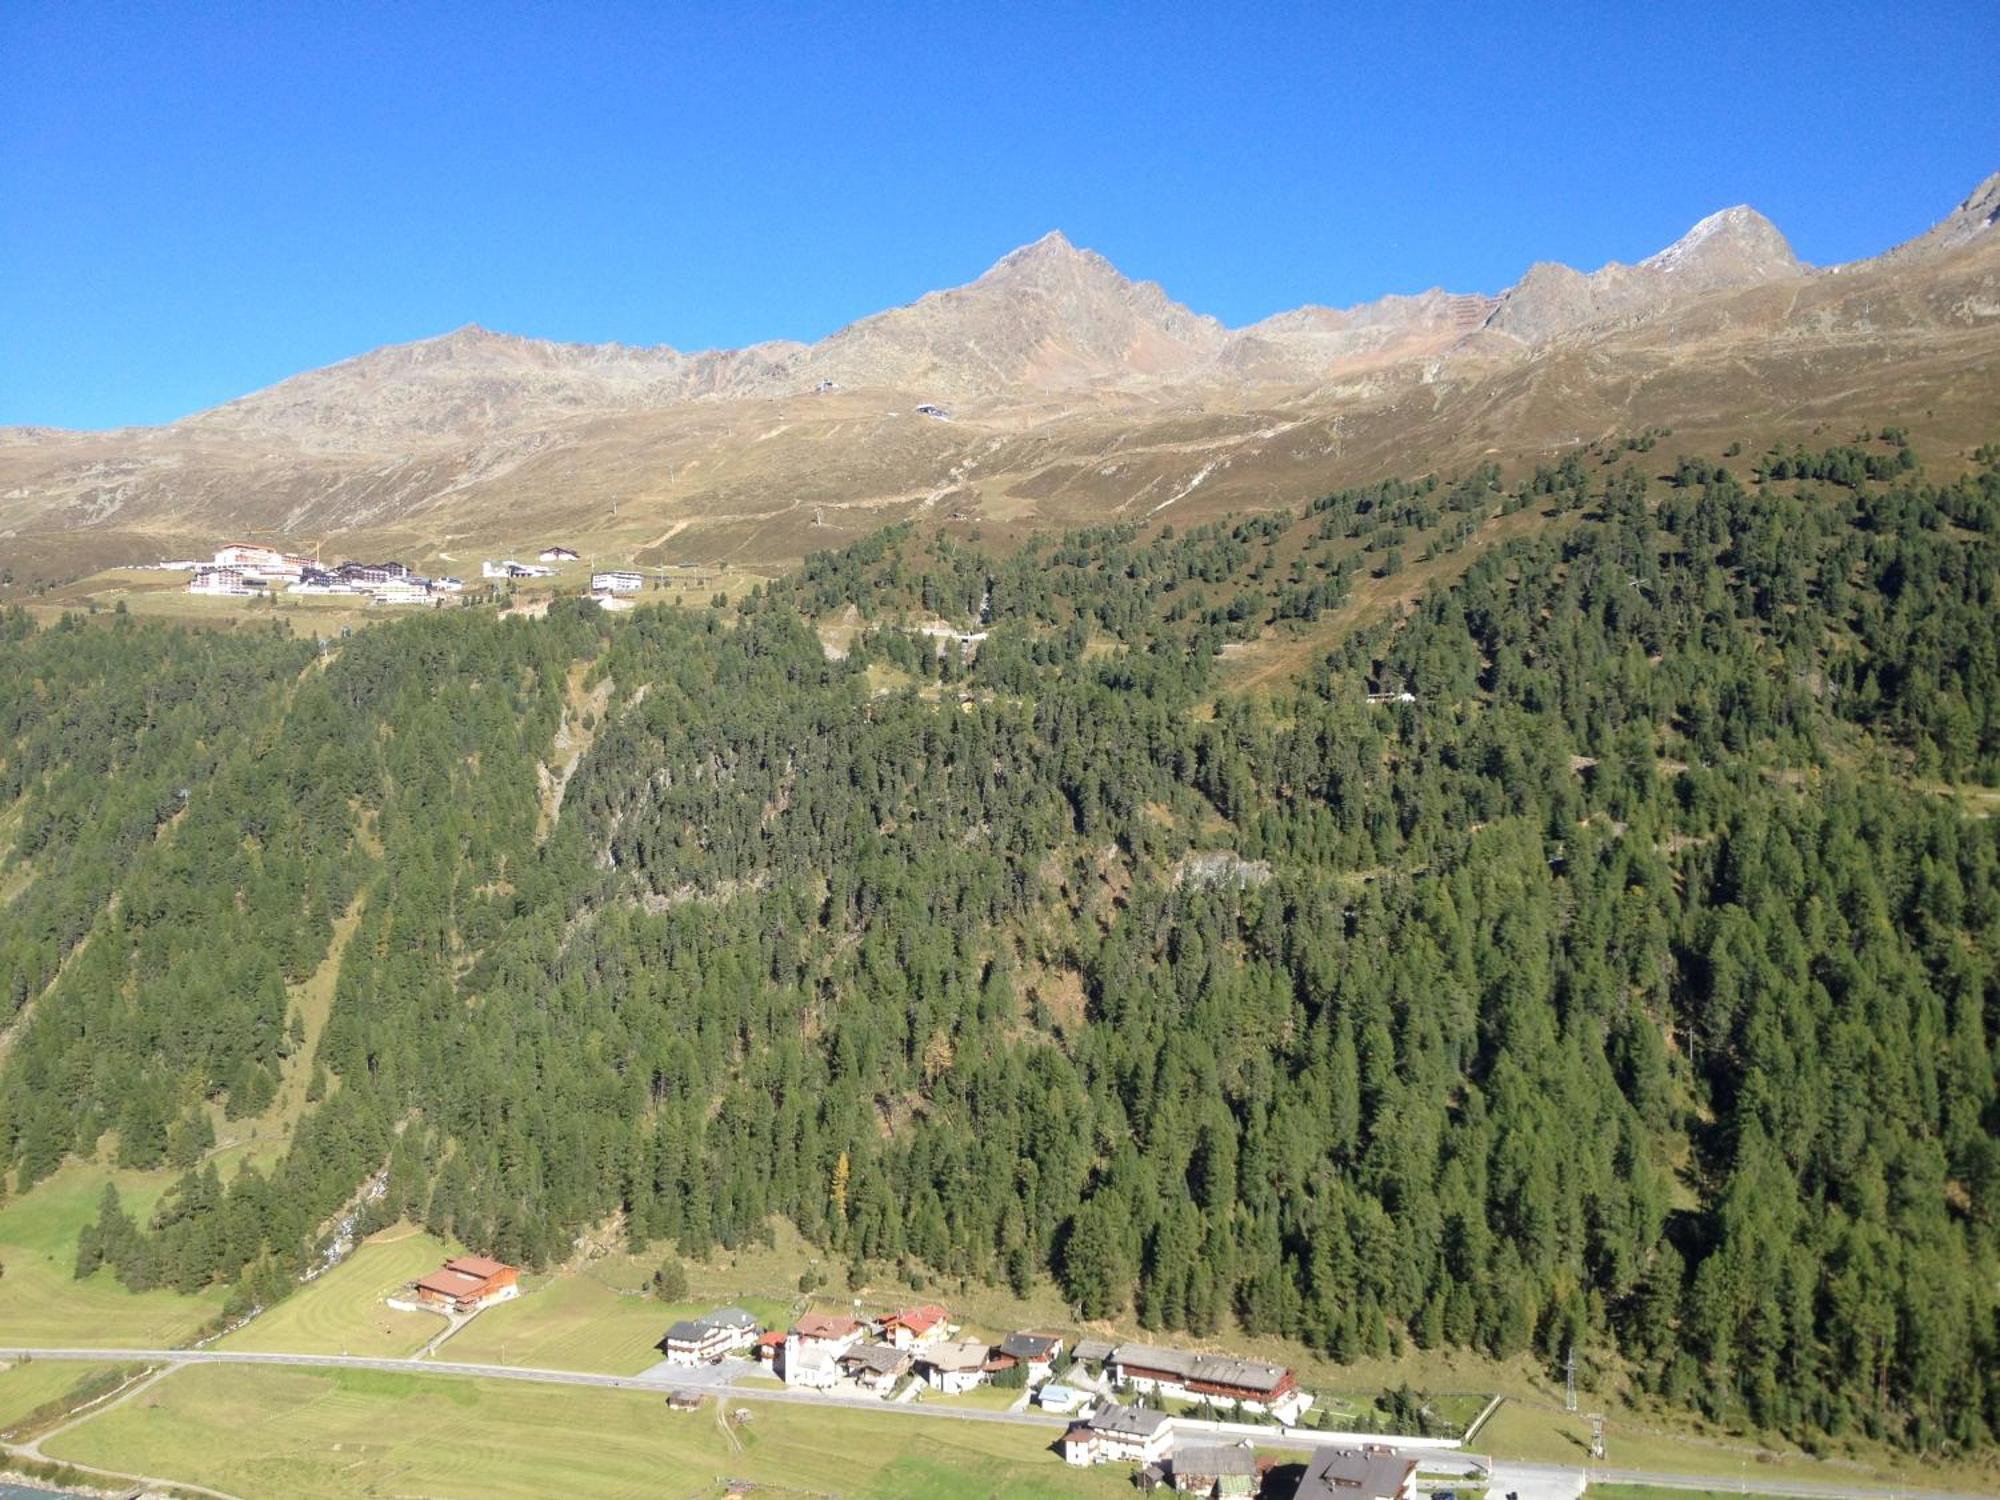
(1600, 949)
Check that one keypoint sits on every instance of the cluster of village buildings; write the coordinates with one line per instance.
(913, 1349)
(919, 1348)
(250, 569)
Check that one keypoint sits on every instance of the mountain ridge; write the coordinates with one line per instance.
(1075, 393)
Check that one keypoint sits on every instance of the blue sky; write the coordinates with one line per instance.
(198, 200)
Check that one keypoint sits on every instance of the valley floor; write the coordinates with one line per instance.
(329, 1392)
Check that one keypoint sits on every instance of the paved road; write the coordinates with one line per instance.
(1750, 1483)
(652, 1380)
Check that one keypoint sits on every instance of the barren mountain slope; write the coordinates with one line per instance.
(1074, 395)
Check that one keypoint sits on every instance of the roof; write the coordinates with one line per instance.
(1215, 1461)
(1148, 1357)
(733, 1318)
(960, 1354)
(687, 1331)
(448, 1283)
(1251, 1374)
(882, 1359)
(819, 1326)
(916, 1319)
(772, 1340)
(1370, 1473)
(1129, 1421)
(1214, 1369)
(1031, 1346)
(476, 1265)
(1096, 1351)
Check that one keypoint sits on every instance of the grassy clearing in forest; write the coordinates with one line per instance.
(42, 1302)
(345, 1312)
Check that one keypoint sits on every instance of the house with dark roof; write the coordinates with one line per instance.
(1038, 1351)
(1221, 1379)
(1370, 1472)
(875, 1367)
(1215, 1473)
(1119, 1434)
(703, 1341)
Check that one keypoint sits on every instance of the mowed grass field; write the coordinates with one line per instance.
(25, 1388)
(344, 1311)
(577, 1322)
(1545, 1433)
(42, 1302)
(311, 1435)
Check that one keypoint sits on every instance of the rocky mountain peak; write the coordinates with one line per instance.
(1979, 213)
(1736, 247)
(1048, 315)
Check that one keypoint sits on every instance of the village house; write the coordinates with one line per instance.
(1215, 1473)
(953, 1367)
(809, 1364)
(1093, 1351)
(1370, 1472)
(703, 1341)
(401, 591)
(1038, 1351)
(1059, 1398)
(908, 1327)
(224, 581)
(617, 581)
(811, 1351)
(1119, 1434)
(260, 561)
(466, 1283)
(1219, 1379)
(836, 1332)
(875, 1367)
(368, 575)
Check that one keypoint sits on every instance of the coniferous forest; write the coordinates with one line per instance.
(1600, 949)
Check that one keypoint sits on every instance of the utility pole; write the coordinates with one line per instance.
(1569, 1380)
(1597, 1436)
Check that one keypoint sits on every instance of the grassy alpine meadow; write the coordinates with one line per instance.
(346, 1310)
(49, 1386)
(42, 1302)
(1542, 1432)
(578, 1322)
(315, 1435)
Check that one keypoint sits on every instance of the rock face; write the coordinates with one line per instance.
(1318, 343)
(1077, 394)
(1738, 247)
(1976, 216)
(1047, 317)
(475, 381)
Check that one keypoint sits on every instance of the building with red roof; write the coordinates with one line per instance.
(466, 1283)
(908, 1327)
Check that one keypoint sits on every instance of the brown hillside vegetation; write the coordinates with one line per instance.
(1069, 394)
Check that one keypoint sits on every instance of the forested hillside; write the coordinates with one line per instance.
(1601, 950)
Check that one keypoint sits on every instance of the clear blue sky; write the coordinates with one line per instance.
(197, 200)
